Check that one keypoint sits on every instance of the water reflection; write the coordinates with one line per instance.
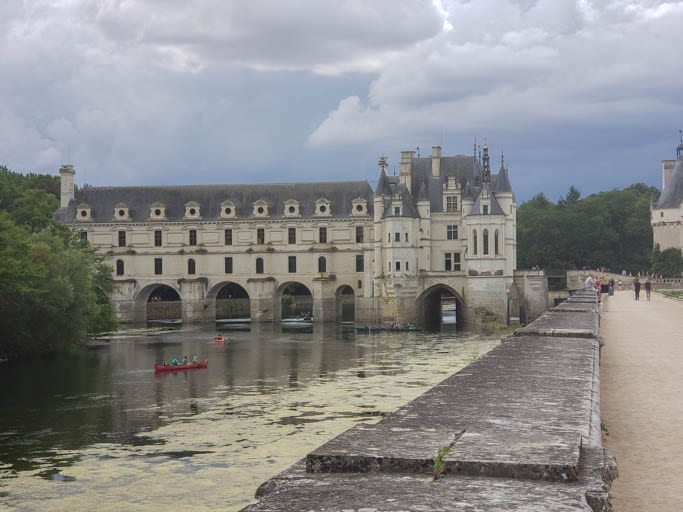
(100, 428)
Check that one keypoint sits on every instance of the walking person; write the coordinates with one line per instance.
(648, 287)
(636, 286)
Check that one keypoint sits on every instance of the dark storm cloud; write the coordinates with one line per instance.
(576, 92)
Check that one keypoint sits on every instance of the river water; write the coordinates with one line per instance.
(100, 431)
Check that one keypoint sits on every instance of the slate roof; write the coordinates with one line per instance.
(465, 169)
(672, 195)
(495, 208)
(103, 200)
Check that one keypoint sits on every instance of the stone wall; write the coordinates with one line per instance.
(519, 429)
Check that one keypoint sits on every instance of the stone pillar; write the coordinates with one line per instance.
(263, 304)
(193, 293)
(324, 298)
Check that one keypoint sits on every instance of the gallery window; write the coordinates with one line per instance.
(259, 265)
(322, 264)
(228, 264)
(191, 267)
(359, 234)
(122, 238)
(260, 236)
(119, 267)
(158, 268)
(291, 235)
(452, 232)
(193, 237)
(291, 264)
(157, 238)
(360, 264)
(228, 236)
(322, 235)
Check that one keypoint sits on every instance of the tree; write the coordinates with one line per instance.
(611, 229)
(54, 288)
(668, 263)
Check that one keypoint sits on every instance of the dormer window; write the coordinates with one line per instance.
(322, 208)
(484, 209)
(83, 212)
(260, 208)
(192, 210)
(227, 210)
(121, 212)
(157, 211)
(359, 206)
(292, 208)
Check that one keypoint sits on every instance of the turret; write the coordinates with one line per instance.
(66, 176)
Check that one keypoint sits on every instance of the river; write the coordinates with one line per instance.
(98, 430)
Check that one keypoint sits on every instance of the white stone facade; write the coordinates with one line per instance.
(443, 228)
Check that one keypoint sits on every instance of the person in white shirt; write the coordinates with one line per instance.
(589, 285)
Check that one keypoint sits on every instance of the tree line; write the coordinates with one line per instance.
(609, 229)
(54, 288)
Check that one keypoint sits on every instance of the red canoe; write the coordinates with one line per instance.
(190, 366)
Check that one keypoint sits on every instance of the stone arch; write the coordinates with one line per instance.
(158, 303)
(345, 299)
(441, 308)
(231, 302)
(295, 299)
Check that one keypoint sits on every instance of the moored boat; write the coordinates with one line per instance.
(174, 368)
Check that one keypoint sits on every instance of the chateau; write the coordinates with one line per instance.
(441, 233)
(667, 212)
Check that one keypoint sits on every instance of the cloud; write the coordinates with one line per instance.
(510, 63)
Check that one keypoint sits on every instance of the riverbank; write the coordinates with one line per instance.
(519, 429)
(641, 400)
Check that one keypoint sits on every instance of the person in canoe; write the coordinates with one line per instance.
(185, 360)
(194, 360)
(174, 361)
(219, 338)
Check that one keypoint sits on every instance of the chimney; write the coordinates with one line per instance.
(406, 169)
(436, 161)
(66, 175)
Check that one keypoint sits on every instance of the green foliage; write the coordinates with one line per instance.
(668, 262)
(611, 229)
(439, 465)
(54, 289)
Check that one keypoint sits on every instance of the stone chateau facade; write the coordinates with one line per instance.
(667, 212)
(441, 232)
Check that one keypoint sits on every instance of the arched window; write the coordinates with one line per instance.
(486, 241)
(322, 264)
(119, 267)
(474, 242)
(259, 265)
(191, 266)
(496, 247)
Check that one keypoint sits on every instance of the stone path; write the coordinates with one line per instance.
(642, 400)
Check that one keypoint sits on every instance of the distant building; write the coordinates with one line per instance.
(442, 232)
(667, 212)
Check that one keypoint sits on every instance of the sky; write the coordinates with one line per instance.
(163, 92)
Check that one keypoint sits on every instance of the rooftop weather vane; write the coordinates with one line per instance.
(383, 163)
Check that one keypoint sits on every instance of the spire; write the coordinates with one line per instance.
(486, 169)
(679, 149)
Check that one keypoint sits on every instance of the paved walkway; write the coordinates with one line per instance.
(642, 400)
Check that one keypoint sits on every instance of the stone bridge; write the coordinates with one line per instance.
(519, 429)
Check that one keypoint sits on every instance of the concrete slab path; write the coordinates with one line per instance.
(642, 400)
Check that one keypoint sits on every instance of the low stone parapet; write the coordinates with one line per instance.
(518, 429)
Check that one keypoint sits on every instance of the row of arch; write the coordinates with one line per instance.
(233, 303)
(485, 242)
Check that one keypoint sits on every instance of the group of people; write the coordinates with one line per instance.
(180, 362)
(646, 284)
(593, 282)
